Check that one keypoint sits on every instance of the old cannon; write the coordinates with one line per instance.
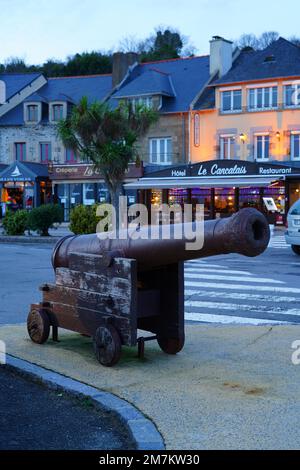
(109, 289)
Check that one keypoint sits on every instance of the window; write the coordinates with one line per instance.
(262, 98)
(57, 112)
(295, 146)
(161, 150)
(143, 101)
(32, 113)
(231, 101)
(292, 95)
(45, 152)
(71, 156)
(227, 147)
(262, 147)
(197, 130)
(20, 151)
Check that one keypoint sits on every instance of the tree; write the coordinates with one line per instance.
(107, 137)
(247, 41)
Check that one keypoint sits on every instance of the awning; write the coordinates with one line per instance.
(24, 171)
(194, 182)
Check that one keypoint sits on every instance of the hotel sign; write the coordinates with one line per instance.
(226, 168)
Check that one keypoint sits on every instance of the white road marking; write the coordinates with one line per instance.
(208, 270)
(273, 289)
(261, 280)
(237, 307)
(227, 319)
(240, 296)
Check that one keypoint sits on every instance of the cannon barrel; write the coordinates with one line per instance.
(246, 233)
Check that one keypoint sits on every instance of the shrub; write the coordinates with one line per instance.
(84, 219)
(43, 217)
(15, 223)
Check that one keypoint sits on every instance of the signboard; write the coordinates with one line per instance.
(270, 204)
(220, 168)
(87, 172)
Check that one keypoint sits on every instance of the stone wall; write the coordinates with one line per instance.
(33, 136)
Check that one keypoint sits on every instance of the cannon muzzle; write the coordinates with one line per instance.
(246, 233)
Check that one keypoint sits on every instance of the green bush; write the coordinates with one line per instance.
(15, 223)
(83, 219)
(43, 217)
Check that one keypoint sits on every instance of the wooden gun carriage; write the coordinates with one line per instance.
(109, 289)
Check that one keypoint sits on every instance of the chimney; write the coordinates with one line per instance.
(220, 56)
(121, 62)
(2, 92)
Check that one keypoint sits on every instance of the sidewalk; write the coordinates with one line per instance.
(232, 387)
(55, 234)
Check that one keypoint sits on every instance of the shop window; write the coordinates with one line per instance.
(161, 150)
(295, 146)
(201, 196)
(262, 147)
(227, 147)
(224, 202)
(262, 98)
(231, 101)
(249, 197)
(45, 152)
(88, 194)
(71, 156)
(294, 192)
(20, 151)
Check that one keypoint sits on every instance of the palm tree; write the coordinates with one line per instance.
(107, 137)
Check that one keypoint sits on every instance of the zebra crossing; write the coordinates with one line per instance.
(278, 241)
(215, 293)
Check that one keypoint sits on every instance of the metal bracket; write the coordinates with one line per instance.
(141, 345)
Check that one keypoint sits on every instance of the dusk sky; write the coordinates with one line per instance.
(40, 29)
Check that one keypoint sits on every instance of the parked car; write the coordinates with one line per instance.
(292, 235)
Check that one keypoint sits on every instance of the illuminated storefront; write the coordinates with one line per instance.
(223, 187)
(24, 186)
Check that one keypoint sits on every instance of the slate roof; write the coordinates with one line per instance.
(186, 76)
(280, 59)
(71, 89)
(15, 82)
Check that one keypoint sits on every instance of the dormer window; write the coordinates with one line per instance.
(58, 111)
(32, 113)
(146, 101)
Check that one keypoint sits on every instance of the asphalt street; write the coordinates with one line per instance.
(221, 289)
(47, 420)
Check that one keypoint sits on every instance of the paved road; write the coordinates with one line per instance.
(222, 289)
(52, 420)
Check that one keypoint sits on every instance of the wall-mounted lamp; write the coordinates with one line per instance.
(243, 137)
(277, 135)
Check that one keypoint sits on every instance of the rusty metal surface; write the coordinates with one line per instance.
(246, 232)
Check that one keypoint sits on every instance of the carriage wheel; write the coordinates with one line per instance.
(38, 325)
(107, 345)
(170, 345)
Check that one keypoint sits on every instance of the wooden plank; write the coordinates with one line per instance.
(93, 282)
(86, 321)
(121, 267)
(104, 303)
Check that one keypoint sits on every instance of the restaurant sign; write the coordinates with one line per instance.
(87, 172)
(223, 168)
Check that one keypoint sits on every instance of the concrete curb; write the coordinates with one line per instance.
(141, 429)
(24, 239)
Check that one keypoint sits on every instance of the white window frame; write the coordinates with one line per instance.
(26, 112)
(294, 133)
(263, 158)
(231, 110)
(55, 103)
(225, 141)
(146, 100)
(296, 86)
(263, 108)
(162, 158)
